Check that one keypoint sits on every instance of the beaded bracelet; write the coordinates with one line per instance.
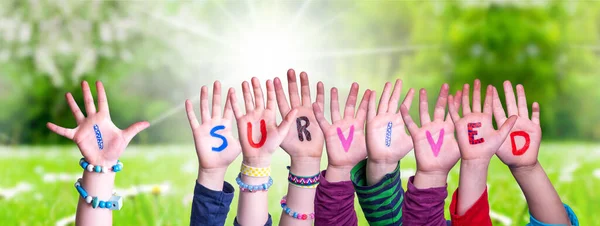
(294, 214)
(304, 182)
(255, 172)
(253, 188)
(114, 203)
(99, 169)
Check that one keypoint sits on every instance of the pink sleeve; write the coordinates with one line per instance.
(334, 203)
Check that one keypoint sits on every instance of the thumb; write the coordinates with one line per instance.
(507, 126)
(284, 127)
(134, 129)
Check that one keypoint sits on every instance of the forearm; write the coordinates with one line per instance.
(253, 208)
(301, 200)
(338, 173)
(100, 185)
(472, 183)
(543, 200)
(376, 171)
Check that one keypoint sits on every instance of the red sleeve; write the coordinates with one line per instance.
(478, 214)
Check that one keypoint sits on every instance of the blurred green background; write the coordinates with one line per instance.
(152, 55)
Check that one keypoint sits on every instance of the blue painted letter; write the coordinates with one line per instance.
(214, 134)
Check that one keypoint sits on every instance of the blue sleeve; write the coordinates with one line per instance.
(572, 218)
(211, 207)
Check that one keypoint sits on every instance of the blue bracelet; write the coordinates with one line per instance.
(253, 188)
(99, 169)
(114, 203)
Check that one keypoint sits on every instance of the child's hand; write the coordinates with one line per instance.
(215, 145)
(258, 131)
(98, 139)
(520, 149)
(305, 140)
(477, 138)
(344, 138)
(436, 150)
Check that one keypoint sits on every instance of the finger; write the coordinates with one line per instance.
(407, 102)
(204, 111)
(68, 133)
(237, 112)
(423, 108)
(465, 100)
(102, 100)
(522, 102)
(371, 112)
(320, 116)
(511, 103)
(499, 114)
(487, 103)
(477, 96)
(74, 108)
(351, 101)
(259, 101)
(440, 105)
(216, 101)
(361, 114)
(535, 115)
(408, 121)
(88, 99)
(134, 129)
(395, 98)
(507, 126)
(284, 126)
(228, 111)
(270, 96)
(456, 102)
(305, 89)
(453, 109)
(282, 103)
(293, 88)
(335, 106)
(248, 101)
(189, 108)
(384, 99)
(320, 95)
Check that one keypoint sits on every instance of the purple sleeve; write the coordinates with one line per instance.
(334, 203)
(424, 206)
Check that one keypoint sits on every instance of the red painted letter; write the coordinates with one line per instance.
(472, 132)
(263, 134)
(514, 145)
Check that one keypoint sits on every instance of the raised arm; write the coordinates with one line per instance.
(345, 143)
(520, 151)
(304, 144)
(259, 136)
(478, 142)
(101, 143)
(216, 148)
(436, 152)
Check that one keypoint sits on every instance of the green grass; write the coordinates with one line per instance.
(48, 202)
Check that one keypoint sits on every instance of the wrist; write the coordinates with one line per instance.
(99, 184)
(377, 170)
(525, 170)
(257, 161)
(475, 163)
(305, 166)
(212, 179)
(338, 173)
(433, 179)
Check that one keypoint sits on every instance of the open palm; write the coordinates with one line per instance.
(213, 152)
(387, 140)
(344, 138)
(477, 138)
(297, 143)
(522, 154)
(114, 140)
(255, 147)
(434, 154)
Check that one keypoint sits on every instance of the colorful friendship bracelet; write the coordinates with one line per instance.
(114, 203)
(253, 188)
(255, 172)
(304, 182)
(99, 169)
(294, 214)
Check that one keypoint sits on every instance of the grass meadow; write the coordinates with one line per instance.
(36, 184)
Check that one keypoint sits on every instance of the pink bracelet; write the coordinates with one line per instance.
(294, 214)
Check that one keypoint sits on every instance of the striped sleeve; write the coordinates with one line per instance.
(381, 202)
